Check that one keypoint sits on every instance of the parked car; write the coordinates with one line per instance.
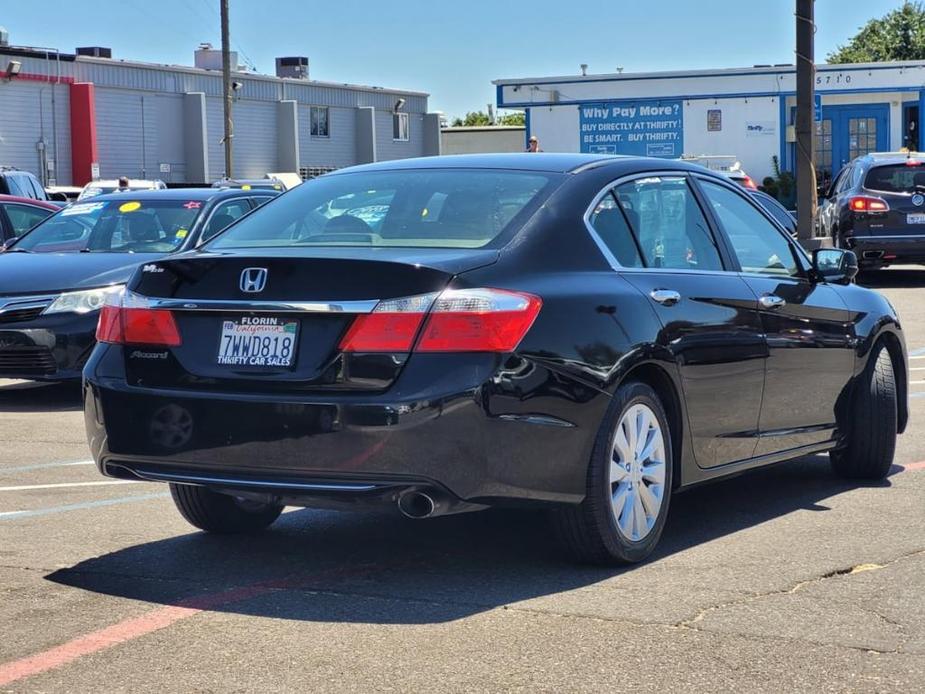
(18, 215)
(21, 184)
(876, 207)
(94, 188)
(63, 195)
(742, 178)
(53, 280)
(251, 184)
(773, 207)
(574, 331)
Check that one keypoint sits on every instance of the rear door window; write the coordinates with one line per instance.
(668, 224)
(613, 230)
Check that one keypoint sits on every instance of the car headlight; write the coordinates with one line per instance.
(83, 301)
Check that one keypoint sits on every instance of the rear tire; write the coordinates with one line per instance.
(607, 528)
(871, 440)
(221, 513)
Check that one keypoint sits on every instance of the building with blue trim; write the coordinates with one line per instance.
(747, 113)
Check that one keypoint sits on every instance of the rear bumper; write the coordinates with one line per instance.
(479, 436)
(888, 248)
(48, 348)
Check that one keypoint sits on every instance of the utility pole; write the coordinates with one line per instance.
(805, 122)
(226, 88)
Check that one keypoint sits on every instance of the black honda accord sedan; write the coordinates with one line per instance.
(453, 333)
(54, 279)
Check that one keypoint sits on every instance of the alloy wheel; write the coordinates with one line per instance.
(637, 472)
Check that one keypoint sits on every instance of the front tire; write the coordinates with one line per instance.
(871, 440)
(629, 483)
(221, 513)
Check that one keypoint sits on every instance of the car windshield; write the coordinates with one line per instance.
(461, 208)
(115, 226)
(896, 178)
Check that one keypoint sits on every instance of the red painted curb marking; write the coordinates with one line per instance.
(155, 620)
(915, 466)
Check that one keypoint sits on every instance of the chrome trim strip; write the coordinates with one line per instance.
(366, 306)
(873, 238)
(253, 484)
(18, 303)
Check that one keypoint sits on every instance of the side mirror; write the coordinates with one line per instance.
(835, 265)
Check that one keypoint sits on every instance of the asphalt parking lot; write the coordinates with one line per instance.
(786, 579)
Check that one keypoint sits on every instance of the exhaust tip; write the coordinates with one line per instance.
(416, 505)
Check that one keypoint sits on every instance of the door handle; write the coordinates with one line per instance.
(665, 297)
(771, 301)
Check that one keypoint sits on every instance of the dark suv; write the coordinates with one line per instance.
(876, 207)
(20, 184)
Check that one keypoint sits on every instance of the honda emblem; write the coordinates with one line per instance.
(253, 280)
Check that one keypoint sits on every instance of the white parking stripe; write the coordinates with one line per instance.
(42, 466)
(917, 356)
(69, 484)
(915, 382)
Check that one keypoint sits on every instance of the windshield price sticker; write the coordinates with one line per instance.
(82, 208)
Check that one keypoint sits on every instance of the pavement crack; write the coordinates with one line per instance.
(690, 622)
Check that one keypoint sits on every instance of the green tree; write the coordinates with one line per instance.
(518, 118)
(898, 35)
(475, 119)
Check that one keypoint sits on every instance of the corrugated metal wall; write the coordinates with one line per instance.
(336, 151)
(255, 129)
(26, 111)
(140, 124)
(387, 148)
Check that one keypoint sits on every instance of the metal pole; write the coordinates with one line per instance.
(806, 169)
(226, 88)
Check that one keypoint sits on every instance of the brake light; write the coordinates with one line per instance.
(478, 320)
(864, 203)
(749, 183)
(129, 320)
(457, 320)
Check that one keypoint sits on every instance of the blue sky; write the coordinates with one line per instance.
(450, 49)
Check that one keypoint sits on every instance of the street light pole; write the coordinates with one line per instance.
(806, 170)
(226, 88)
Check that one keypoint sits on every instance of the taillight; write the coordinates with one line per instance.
(478, 320)
(129, 320)
(749, 183)
(865, 203)
(458, 320)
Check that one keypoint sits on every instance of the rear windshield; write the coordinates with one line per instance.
(115, 227)
(462, 208)
(898, 178)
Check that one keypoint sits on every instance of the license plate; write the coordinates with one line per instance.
(258, 342)
(915, 219)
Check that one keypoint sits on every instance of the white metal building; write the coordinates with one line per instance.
(70, 117)
(747, 113)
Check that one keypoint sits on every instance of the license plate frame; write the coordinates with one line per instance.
(918, 218)
(258, 343)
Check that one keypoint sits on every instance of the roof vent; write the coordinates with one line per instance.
(208, 58)
(94, 51)
(292, 66)
(4, 37)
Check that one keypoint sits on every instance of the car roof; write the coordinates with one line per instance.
(28, 201)
(525, 161)
(879, 158)
(197, 194)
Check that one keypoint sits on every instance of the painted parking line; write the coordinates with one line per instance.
(35, 513)
(918, 353)
(160, 618)
(43, 466)
(64, 485)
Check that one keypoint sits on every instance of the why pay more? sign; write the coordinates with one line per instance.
(641, 128)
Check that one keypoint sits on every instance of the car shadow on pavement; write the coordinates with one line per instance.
(33, 396)
(374, 568)
(892, 279)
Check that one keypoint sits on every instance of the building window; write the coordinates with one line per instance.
(401, 127)
(320, 122)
